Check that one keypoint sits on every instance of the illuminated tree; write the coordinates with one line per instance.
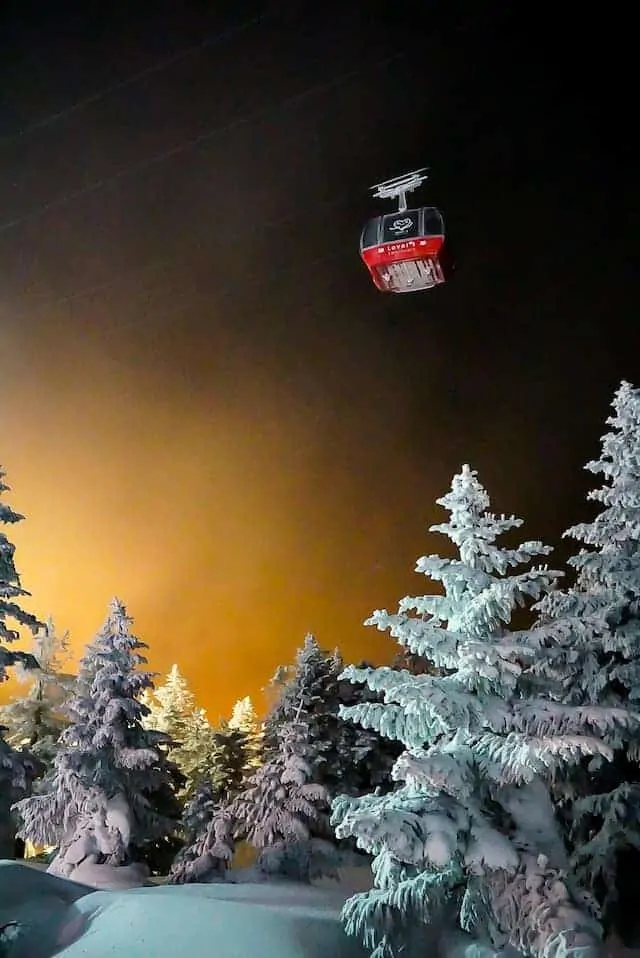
(101, 801)
(35, 721)
(17, 770)
(595, 627)
(471, 826)
(245, 719)
(173, 709)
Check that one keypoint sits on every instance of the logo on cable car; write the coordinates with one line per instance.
(396, 247)
(401, 226)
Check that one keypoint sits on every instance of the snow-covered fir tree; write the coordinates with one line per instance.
(17, 769)
(226, 761)
(595, 626)
(173, 709)
(344, 756)
(208, 831)
(283, 813)
(207, 823)
(471, 826)
(244, 718)
(10, 591)
(35, 721)
(311, 680)
(171, 703)
(308, 688)
(101, 802)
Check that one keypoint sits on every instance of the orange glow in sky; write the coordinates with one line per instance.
(227, 526)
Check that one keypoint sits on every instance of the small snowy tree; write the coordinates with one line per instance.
(35, 721)
(226, 762)
(208, 828)
(17, 769)
(244, 718)
(344, 756)
(101, 800)
(173, 709)
(595, 627)
(311, 680)
(471, 826)
(282, 811)
(307, 690)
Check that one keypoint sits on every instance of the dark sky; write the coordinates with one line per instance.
(207, 407)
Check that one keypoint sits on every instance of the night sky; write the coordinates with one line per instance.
(207, 408)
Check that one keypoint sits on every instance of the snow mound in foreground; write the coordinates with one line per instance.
(227, 921)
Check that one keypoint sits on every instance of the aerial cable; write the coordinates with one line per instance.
(118, 85)
(196, 141)
(51, 302)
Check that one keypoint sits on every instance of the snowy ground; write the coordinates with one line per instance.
(221, 920)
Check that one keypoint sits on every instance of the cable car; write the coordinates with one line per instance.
(403, 251)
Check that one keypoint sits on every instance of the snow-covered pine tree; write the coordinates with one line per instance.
(308, 689)
(244, 718)
(471, 826)
(101, 800)
(17, 769)
(311, 680)
(173, 709)
(170, 703)
(35, 721)
(344, 756)
(227, 761)
(595, 627)
(281, 811)
(10, 590)
(208, 828)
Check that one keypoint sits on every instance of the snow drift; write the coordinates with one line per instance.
(279, 920)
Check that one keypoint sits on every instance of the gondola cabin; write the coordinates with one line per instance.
(403, 250)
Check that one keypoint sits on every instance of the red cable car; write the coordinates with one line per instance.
(403, 250)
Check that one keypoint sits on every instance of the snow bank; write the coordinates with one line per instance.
(229, 921)
(25, 890)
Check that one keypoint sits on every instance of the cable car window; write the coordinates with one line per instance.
(433, 222)
(400, 226)
(370, 234)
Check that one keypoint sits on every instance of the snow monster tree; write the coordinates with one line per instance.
(470, 833)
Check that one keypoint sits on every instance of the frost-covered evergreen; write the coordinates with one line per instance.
(344, 756)
(101, 801)
(208, 830)
(311, 679)
(17, 769)
(283, 813)
(10, 591)
(173, 709)
(35, 721)
(471, 827)
(207, 826)
(244, 719)
(226, 761)
(309, 690)
(597, 627)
